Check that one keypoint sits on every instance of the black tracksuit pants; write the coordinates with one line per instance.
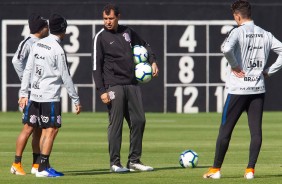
(127, 103)
(234, 106)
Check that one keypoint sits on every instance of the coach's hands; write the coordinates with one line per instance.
(105, 98)
(155, 69)
(23, 102)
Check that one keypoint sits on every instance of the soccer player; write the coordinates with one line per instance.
(38, 29)
(113, 72)
(47, 69)
(246, 48)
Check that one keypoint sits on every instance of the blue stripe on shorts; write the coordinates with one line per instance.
(52, 113)
(26, 111)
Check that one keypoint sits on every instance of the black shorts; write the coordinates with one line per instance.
(47, 114)
(30, 114)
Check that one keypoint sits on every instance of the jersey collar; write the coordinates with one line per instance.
(56, 38)
(33, 36)
(251, 22)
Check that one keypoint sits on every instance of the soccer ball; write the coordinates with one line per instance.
(143, 72)
(140, 54)
(188, 158)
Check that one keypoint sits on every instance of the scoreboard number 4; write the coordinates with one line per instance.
(188, 39)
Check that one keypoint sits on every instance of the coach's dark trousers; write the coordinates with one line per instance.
(234, 106)
(126, 103)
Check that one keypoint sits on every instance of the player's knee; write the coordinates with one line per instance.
(27, 129)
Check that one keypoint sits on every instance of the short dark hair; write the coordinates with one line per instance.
(243, 7)
(107, 9)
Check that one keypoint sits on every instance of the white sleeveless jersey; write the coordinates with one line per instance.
(248, 47)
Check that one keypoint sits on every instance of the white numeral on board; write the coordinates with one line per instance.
(188, 107)
(186, 73)
(74, 33)
(188, 39)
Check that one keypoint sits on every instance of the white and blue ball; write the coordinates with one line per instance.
(140, 54)
(188, 159)
(143, 72)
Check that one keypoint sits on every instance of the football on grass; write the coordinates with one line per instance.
(188, 158)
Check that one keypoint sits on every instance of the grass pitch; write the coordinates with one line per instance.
(81, 150)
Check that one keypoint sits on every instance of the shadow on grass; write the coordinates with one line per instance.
(178, 167)
(87, 172)
(93, 172)
(107, 171)
(257, 176)
(268, 176)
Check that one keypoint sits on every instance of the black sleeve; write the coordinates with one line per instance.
(137, 40)
(98, 62)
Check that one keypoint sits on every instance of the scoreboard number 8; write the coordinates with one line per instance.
(186, 73)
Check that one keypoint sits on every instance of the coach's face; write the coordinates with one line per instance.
(111, 20)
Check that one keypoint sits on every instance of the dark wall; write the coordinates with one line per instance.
(168, 92)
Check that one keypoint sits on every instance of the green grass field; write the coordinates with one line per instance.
(81, 150)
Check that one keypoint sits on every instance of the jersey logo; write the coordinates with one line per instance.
(126, 37)
(59, 119)
(255, 63)
(44, 119)
(112, 95)
(39, 70)
(39, 57)
(254, 47)
(33, 119)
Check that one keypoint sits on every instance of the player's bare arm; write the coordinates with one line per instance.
(78, 108)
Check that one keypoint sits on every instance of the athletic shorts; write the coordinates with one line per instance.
(45, 114)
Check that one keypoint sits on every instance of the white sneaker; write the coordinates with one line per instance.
(213, 173)
(46, 173)
(249, 173)
(118, 169)
(139, 167)
(34, 168)
(17, 169)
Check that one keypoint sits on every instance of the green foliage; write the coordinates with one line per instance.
(81, 150)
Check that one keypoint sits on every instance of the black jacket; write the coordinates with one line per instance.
(113, 57)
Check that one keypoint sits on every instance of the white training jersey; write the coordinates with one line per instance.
(20, 58)
(248, 47)
(47, 70)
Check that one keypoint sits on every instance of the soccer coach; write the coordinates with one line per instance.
(113, 72)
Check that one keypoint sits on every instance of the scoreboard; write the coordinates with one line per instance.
(192, 67)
